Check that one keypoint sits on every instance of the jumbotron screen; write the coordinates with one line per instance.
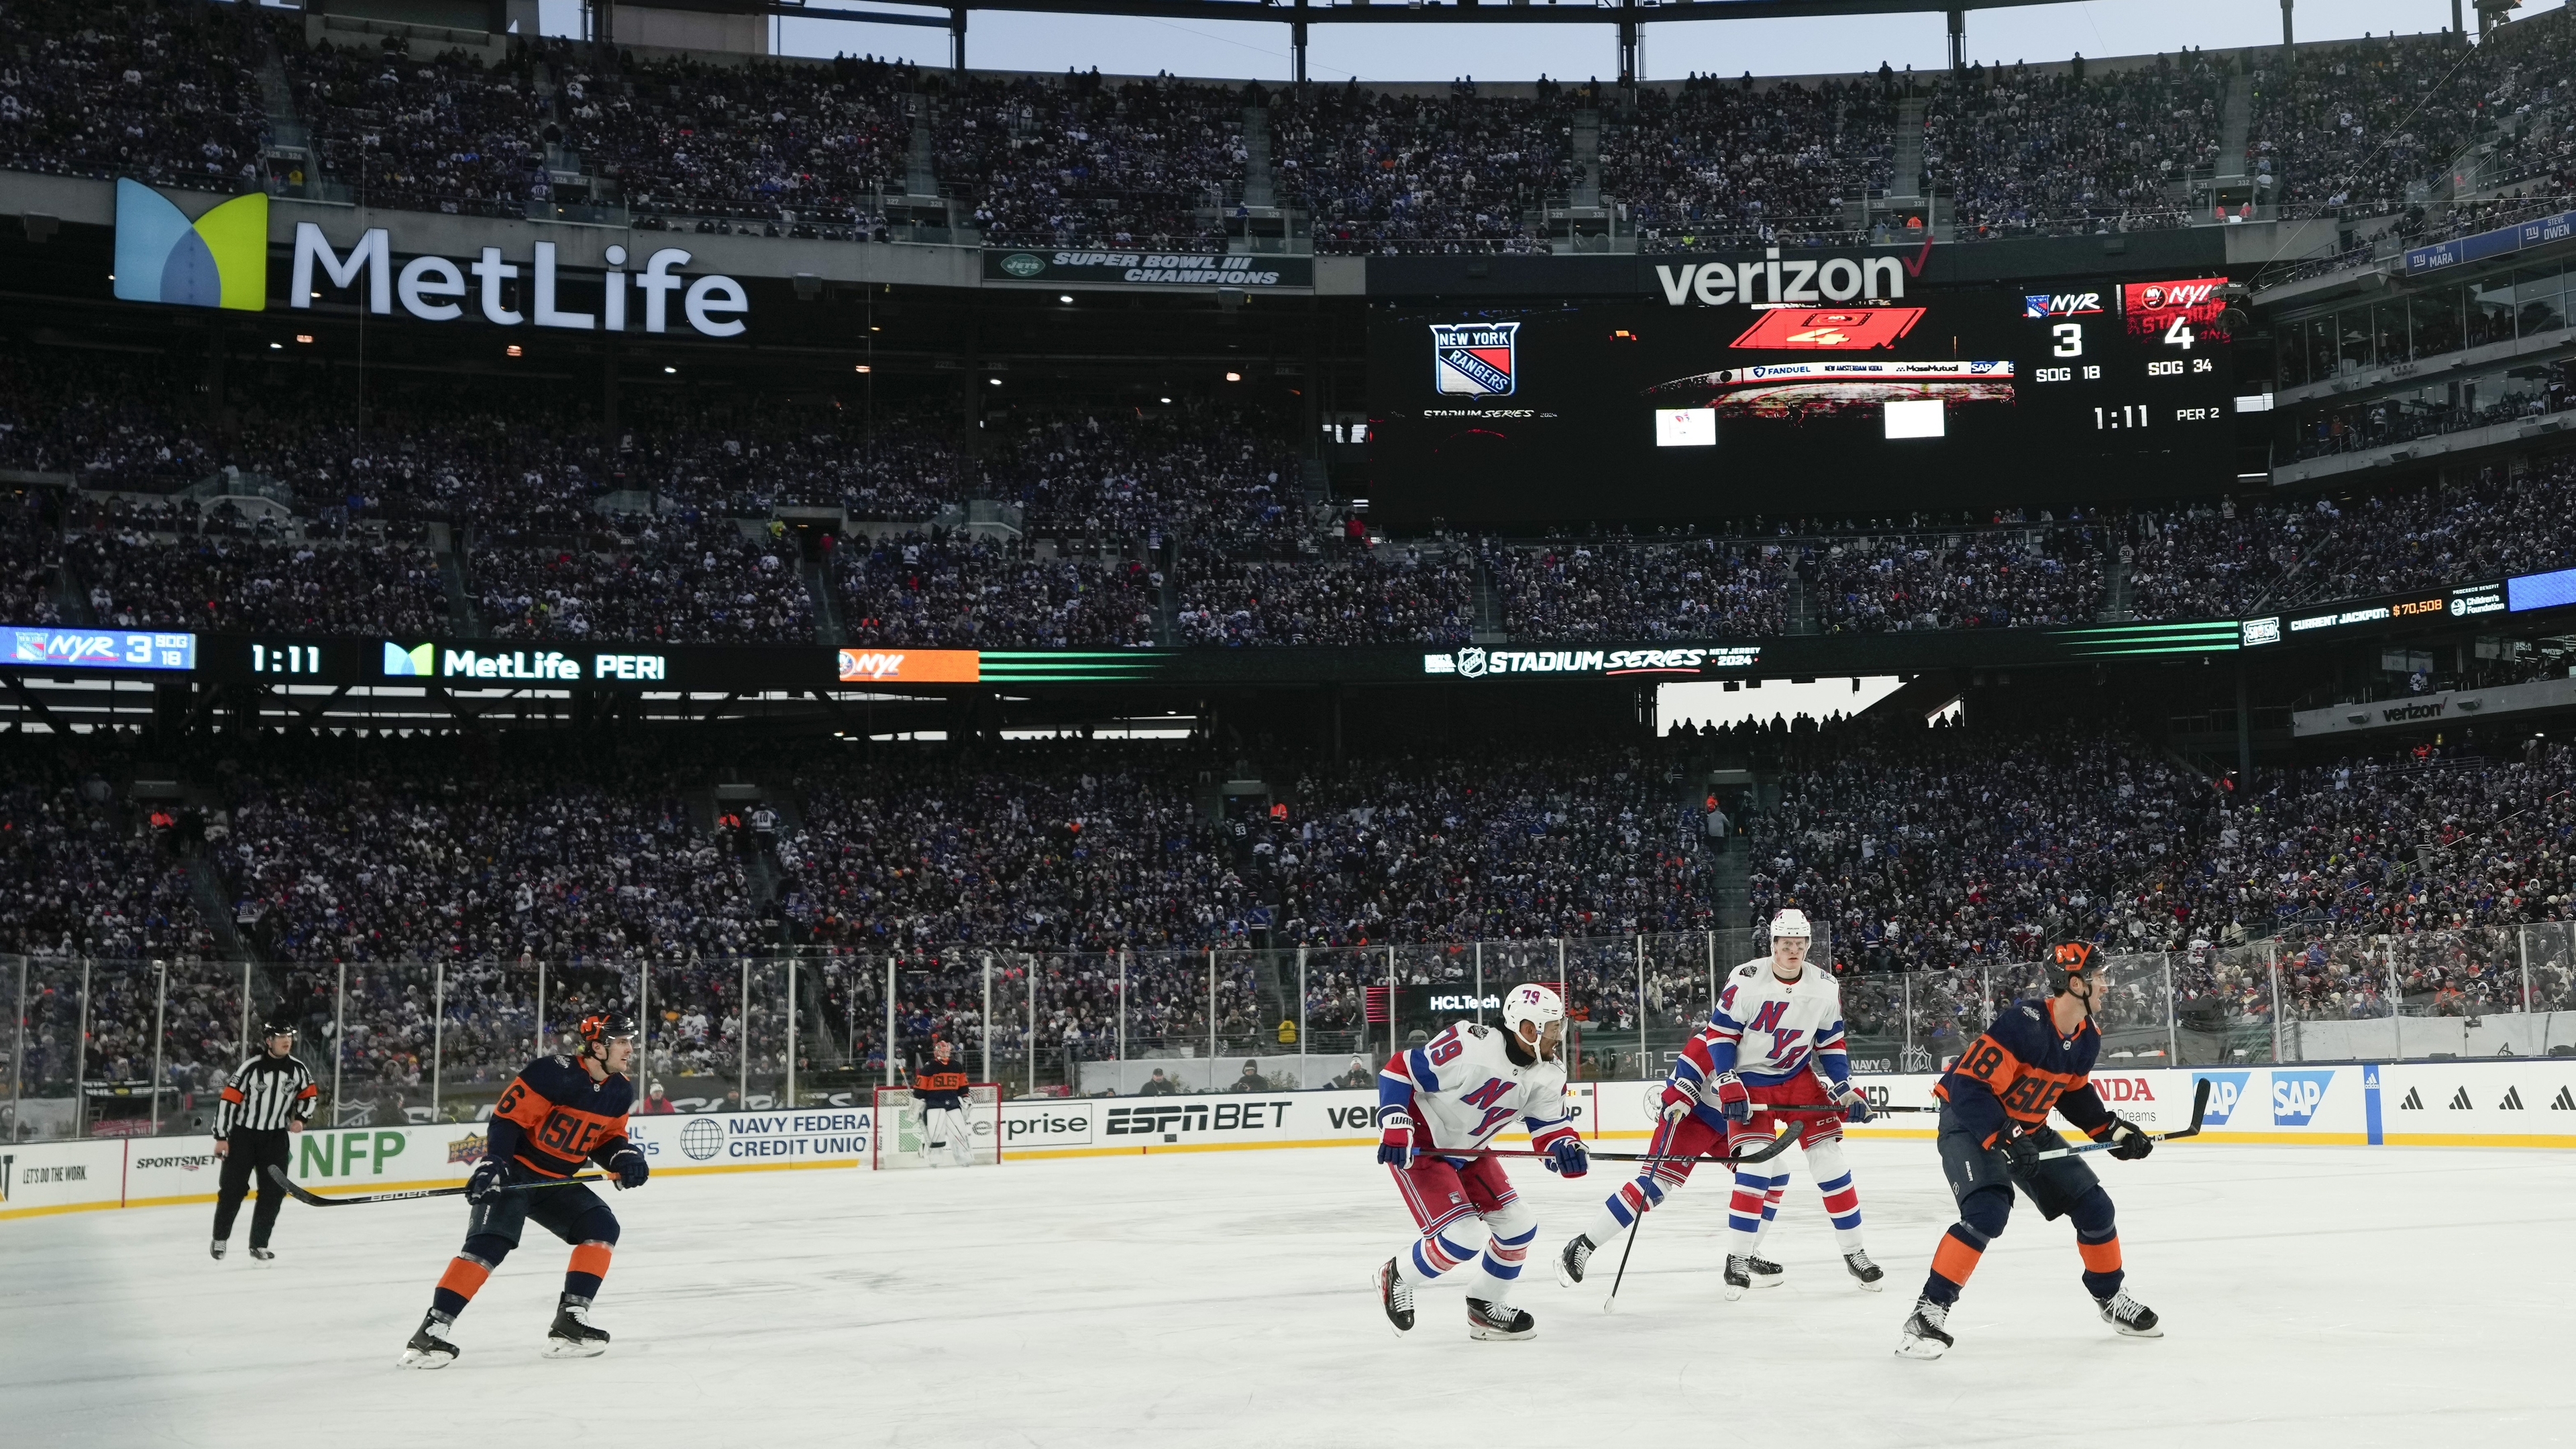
(1534, 414)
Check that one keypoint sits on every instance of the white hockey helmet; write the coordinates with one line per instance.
(1791, 922)
(1532, 1003)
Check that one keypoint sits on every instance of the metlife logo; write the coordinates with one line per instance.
(434, 288)
(554, 666)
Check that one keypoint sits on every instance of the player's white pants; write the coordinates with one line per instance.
(1757, 1198)
(946, 1129)
(1510, 1229)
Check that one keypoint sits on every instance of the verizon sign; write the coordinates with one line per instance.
(1785, 281)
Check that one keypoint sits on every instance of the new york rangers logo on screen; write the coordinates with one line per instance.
(1476, 359)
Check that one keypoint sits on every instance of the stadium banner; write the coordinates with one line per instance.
(2505, 1103)
(2419, 710)
(1155, 270)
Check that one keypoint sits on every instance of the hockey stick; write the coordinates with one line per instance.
(1764, 1153)
(278, 1175)
(1830, 1110)
(2199, 1105)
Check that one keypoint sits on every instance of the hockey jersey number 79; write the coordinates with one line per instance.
(1463, 1087)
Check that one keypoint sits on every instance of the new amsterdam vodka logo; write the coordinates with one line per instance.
(218, 260)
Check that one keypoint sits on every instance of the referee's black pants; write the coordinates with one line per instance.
(247, 1160)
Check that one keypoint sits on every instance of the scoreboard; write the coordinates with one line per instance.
(1547, 414)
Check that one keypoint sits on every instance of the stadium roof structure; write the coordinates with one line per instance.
(1629, 17)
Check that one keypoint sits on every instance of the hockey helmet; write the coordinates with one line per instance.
(1535, 1004)
(2068, 958)
(600, 1028)
(1792, 923)
(276, 1023)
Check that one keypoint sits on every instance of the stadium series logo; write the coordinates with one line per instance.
(218, 260)
(1476, 359)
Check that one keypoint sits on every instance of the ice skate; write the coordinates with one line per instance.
(1766, 1274)
(2129, 1316)
(1498, 1322)
(429, 1347)
(1926, 1333)
(1396, 1298)
(572, 1336)
(1569, 1264)
(1739, 1275)
(215, 1249)
(1863, 1271)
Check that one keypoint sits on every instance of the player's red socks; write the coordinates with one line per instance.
(589, 1266)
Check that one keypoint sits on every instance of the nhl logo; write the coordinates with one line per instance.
(1476, 359)
(1471, 663)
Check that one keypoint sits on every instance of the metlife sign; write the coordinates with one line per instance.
(655, 296)
(448, 663)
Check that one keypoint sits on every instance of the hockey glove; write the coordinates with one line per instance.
(1395, 1141)
(486, 1183)
(629, 1165)
(2127, 1143)
(1567, 1159)
(1732, 1098)
(2021, 1151)
(1678, 1102)
(1853, 1101)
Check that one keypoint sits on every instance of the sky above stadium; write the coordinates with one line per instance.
(1132, 46)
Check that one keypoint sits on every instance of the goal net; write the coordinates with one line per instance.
(903, 1138)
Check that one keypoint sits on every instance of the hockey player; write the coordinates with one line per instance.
(1454, 1092)
(559, 1111)
(1994, 1125)
(1775, 1038)
(939, 1085)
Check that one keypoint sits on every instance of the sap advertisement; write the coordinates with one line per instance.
(221, 260)
(1794, 385)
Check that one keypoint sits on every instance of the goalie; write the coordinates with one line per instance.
(939, 1085)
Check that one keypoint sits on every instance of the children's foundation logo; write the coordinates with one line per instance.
(218, 260)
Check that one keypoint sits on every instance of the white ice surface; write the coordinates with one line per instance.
(2313, 1296)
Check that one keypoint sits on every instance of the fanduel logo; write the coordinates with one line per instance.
(2297, 1095)
(712, 304)
(218, 260)
(1783, 281)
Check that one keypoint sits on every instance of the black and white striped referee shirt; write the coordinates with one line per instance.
(265, 1093)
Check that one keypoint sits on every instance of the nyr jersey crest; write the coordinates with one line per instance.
(1476, 359)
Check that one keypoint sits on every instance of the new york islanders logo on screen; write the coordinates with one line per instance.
(1476, 359)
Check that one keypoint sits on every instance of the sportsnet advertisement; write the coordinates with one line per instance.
(1539, 414)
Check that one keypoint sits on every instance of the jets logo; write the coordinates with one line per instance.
(1476, 359)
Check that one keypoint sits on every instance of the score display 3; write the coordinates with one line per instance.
(1968, 399)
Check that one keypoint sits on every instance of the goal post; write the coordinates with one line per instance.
(902, 1130)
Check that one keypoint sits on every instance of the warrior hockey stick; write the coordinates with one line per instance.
(278, 1175)
(2199, 1105)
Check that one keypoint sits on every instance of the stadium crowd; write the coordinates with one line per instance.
(851, 147)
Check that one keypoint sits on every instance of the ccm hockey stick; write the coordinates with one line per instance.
(2199, 1105)
(277, 1174)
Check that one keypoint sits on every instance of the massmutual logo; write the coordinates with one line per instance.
(218, 260)
(419, 659)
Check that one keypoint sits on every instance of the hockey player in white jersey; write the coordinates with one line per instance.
(1774, 1039)
(1451, 1094)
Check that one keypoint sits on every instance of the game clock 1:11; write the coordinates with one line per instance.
(285, 658)
(2126, 415)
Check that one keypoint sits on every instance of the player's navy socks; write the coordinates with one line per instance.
(589, 1266)
(1952, 1262)
(2102, 1273)
(458, 1285)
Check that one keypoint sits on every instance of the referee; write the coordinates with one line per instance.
(270, 1096)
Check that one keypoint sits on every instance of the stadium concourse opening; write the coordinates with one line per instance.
(1304, 696)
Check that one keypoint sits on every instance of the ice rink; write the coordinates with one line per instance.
(2312, 1296)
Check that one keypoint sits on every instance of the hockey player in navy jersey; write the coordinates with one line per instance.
(1775, 1039)
(1451, 1094)
(939, 1084)
(557, 1113)
(1995, 1102)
